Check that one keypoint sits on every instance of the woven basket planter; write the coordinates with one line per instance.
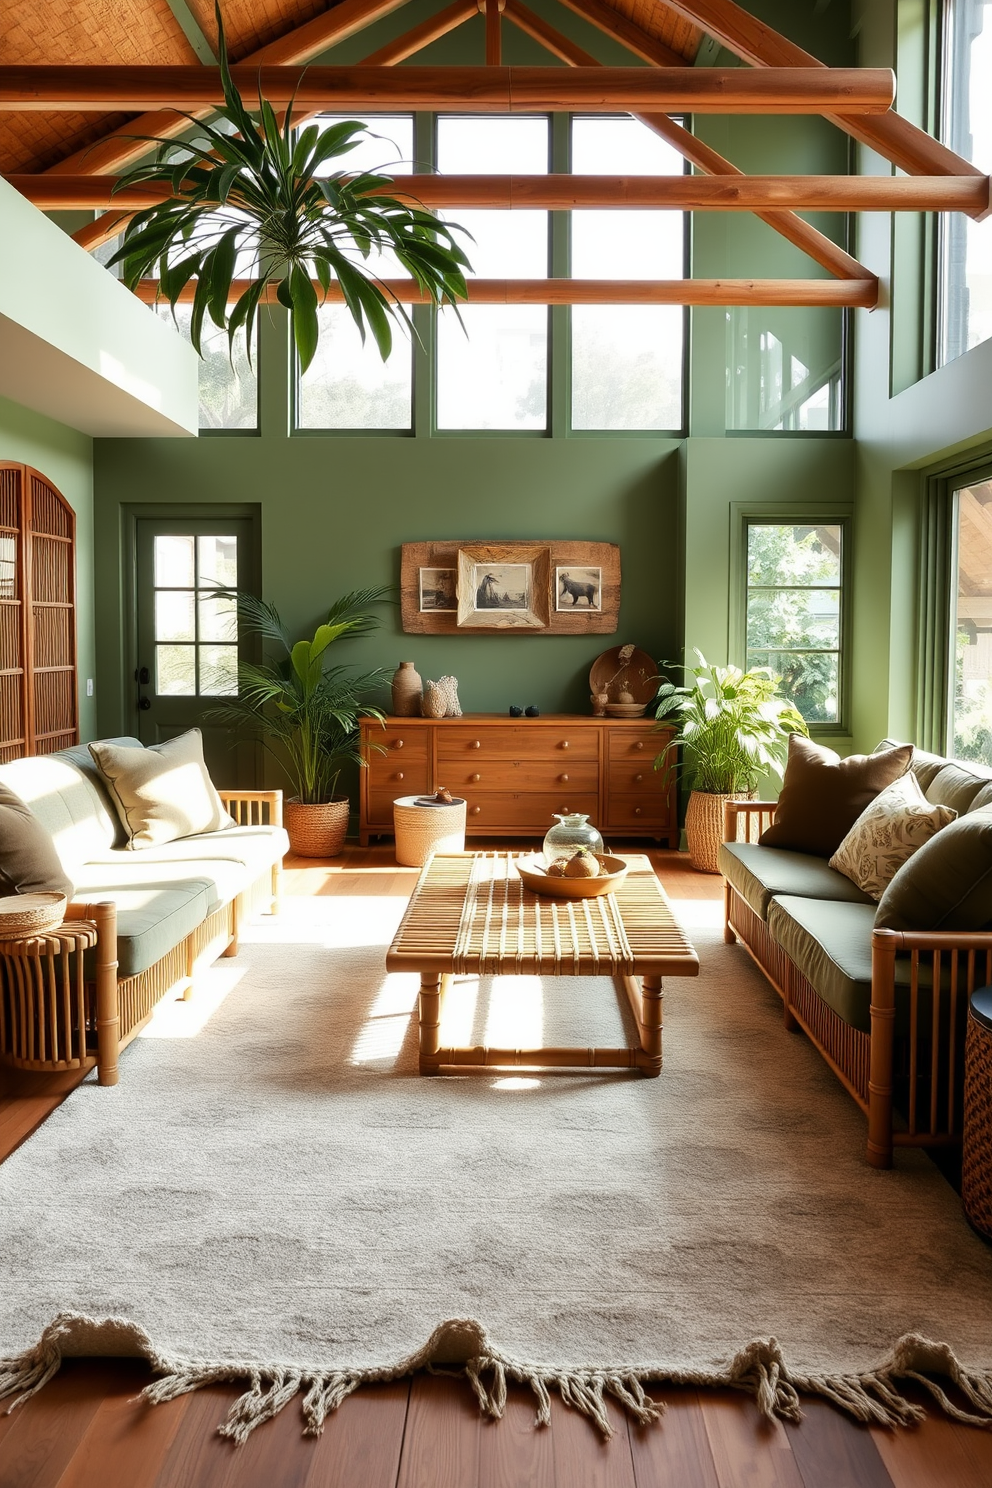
(423, 830)
(317, 831)
(976, 1155)
(704, 827)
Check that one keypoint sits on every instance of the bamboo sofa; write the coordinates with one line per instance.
(141, 923)
(864, 996)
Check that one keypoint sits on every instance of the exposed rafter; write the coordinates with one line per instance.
(618, 26)
(698, 90)
(817, 245)
(564, 192)
(836, 292)
(191, 29)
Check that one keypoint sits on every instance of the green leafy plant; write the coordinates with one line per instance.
(252, 188)
(733, 727)
(304, 711)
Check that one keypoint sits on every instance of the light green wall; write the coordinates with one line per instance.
(65, 457)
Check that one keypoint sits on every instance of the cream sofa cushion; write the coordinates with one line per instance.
(163, 792)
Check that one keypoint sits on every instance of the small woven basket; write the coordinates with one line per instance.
(317, 831)
(976, 1153)
(30, 914)
(423, 830)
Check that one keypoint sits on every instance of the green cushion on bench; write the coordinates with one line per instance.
(830, 943)
(758, 873)
(151, 919)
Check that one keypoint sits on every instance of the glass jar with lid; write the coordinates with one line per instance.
(573, 830)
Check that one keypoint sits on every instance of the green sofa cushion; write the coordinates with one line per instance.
(830, 943)
(759, 873)
(947, 885)
(958, 786)
(151, 919)
(219, 880)
(255, 847)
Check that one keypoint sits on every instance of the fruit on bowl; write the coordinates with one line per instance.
(582, 864)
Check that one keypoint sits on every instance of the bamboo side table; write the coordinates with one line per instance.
(470, 913)
(46, 1006)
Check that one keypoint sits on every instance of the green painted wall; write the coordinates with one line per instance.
(66, 458)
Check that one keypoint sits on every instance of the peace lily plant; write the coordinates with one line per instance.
(733, 728)
(247, 190)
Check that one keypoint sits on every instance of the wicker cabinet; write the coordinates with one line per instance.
(515, 774)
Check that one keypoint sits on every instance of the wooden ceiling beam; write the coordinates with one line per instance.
(896, 139)
(832, 292)
(123, 146)
(803, 235)
(558, 193)
(697, 90)
(615, 24)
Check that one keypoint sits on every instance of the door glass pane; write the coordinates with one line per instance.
(174, 616)
(175, 671)
(174, 562)
(218, 670)
(971, 704)
(218, 558)
(218, 620)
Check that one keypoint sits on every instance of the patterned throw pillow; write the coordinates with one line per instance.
(887, 833)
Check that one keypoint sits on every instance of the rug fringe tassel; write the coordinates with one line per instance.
(461, 1347)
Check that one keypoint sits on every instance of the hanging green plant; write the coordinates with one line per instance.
(256, 191)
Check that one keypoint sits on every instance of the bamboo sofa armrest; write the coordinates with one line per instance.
(973, 948)
(757, 816)
(246, 806)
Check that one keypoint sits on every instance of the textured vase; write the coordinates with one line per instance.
(704, 827)
(408, 690)
(316, 831)
(435, 703)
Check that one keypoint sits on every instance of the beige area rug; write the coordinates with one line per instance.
(273, 1194)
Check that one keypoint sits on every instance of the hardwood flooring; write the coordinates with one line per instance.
(86, 1429)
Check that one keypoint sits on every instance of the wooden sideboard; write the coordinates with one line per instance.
(516, 773)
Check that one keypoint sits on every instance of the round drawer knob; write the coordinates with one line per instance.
(638, 778)
(565, 811)
(475, 744)
(397, 743)
(563, 744)
(563, 779)
(476, 810)
(400, 775)
(475, 777)
(639, 744)
(637, 810)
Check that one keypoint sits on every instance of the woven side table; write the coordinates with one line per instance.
(976, 1156)
(49, 1017)
(422, 830)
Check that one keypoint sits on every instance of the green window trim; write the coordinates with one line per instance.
(835, 514)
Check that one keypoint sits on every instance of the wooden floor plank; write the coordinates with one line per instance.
(583, 1457)
(514, 1452)
(937, 1454)
(442, 1441)
(833, 1451)
(363, 1440)
(48, 1428)
(127, 1441)
(197, 1456)
(675, 1452)
(748, 1451)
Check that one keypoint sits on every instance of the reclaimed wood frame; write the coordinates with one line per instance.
(551, 554)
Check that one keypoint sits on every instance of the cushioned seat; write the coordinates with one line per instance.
(761, 873)
(220, 880)
(152, 919)
(256, 847)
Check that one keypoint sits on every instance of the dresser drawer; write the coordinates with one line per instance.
(637, 777)
(386, 745)
(637, 744)
(381, 799)
(637, 811)
(491, 810)
(523, 742)
(468, 776)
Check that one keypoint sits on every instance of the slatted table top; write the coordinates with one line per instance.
(470, 913)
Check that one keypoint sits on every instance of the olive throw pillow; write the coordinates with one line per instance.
(162, 792)
(823, 795)
(887, 833)
(947, 885)
(29, 863)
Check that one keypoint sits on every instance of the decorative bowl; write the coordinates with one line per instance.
(640, 674)
(533, 871)
(30, 914)
(626, 710)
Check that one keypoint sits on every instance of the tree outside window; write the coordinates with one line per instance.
(794, 612)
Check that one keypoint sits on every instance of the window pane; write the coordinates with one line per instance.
(494, 374)
(601, 142)
(810, 682)
(504, 245)
(627, 366)
(219, 670)
(348, 385)
(498, 145)
(389, 145)
(174, 616)
(785, 368)
(174, 562)
(218, 562)
(175, 671)
(971, 720)
(966, 247)
(793, 555)
(8, 567)
(787, 618)
(218, 620)
(228, 395)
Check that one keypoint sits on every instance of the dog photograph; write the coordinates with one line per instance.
(578, 589)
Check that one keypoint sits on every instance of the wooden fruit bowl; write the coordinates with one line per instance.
(535, 876)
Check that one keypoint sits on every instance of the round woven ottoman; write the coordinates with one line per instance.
(423, 830)
(976, 1155)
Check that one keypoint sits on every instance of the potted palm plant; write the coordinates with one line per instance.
(305, 712)
(733, 728)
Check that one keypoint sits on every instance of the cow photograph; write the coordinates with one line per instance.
(578, 588)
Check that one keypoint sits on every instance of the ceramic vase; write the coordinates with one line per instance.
(408, 690)
(435, 701)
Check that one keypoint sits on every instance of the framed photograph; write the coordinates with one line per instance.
(578, 588)
(437, 590)
(504, 587)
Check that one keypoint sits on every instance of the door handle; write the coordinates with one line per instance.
(144, 704)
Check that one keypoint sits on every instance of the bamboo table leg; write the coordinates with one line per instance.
(430, 1022)
(652, 1001)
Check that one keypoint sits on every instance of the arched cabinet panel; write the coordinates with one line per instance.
(38, 682)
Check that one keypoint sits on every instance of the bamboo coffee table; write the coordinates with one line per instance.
(471, 914)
